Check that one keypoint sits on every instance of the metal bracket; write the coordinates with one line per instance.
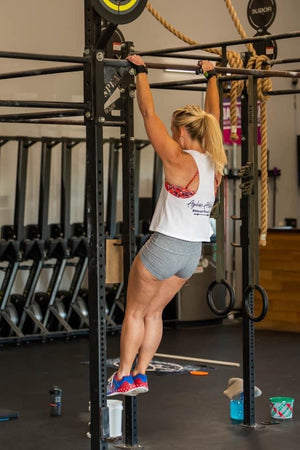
(246, 173)
(246, 170)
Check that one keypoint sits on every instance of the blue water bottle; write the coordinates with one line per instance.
(237, 408)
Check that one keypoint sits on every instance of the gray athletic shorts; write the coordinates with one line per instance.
(165, 256)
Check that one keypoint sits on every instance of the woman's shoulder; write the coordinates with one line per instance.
(196, 154)
(202, 159)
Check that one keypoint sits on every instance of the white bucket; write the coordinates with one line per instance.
(115, 408)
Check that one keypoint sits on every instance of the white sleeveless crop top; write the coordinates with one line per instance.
(188, 218)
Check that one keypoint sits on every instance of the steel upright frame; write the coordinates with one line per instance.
(93, 94)
(94, 80)
(129, 232)
(249, 239)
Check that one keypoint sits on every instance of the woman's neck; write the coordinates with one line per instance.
(195, 147)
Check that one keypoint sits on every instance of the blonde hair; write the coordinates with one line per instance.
(204, 128)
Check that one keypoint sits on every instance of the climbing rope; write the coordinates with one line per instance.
(263, 85)
(233, 58)
(238, 25)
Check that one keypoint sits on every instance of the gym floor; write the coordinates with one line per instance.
(180, 412)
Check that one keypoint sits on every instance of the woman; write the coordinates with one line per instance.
(193, 160)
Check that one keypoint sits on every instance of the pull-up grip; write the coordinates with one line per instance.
(210, 300)
(265, 303)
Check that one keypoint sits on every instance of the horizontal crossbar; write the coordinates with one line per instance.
(292, 34)
(43, 104)
(42, 57)
(37, 72)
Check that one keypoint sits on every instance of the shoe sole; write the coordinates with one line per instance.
(130, 393)
(141, 390)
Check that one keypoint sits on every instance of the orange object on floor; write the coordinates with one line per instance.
(198, 372)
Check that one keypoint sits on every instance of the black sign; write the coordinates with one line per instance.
(267, 47)
(261, 13)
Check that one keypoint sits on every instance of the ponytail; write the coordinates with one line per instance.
(213, 142)
(205, 128)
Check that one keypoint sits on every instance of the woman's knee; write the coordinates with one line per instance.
(153, 314)
(135, 312)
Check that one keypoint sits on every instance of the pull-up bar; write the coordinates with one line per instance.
(173, 87)
(258, 73)
(224, 70)
(268, 37)
(185, 56)
(272, 62)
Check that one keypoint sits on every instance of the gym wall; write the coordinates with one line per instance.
(57, 27)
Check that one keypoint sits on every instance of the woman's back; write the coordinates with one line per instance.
(188, 217)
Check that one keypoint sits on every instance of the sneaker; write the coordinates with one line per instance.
(125, 386)
(141, 383)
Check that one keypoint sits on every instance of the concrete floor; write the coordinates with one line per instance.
(181, 412)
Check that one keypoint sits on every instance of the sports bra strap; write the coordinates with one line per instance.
(190, 182)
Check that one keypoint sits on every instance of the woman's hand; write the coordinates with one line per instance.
(206, 65)
(136, 60)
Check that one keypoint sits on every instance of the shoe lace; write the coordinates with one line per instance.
(111, 379)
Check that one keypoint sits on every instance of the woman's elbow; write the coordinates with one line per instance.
(147, 114)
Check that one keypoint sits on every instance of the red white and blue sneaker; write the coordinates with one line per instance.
(125, 386)
(141, 383)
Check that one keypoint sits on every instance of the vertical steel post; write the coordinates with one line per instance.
(220, 224)
(249, 237)
(112, 189)
(129, 243)
(47, 145)
(137, 168)
(20, 194)
(220, 221)
(157, 181)
(65, 205)
(94, 95)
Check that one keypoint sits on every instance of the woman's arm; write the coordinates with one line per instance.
(212, 105)
(164, 145)
(212, 100)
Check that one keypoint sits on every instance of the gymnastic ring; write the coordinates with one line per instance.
(210, 302)
(265, 302)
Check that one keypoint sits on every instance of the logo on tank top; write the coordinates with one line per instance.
(199, 208)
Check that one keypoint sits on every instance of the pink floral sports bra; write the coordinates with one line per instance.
(181, 192)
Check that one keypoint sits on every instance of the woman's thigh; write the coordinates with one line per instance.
(146, 293)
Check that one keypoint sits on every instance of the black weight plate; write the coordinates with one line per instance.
(113, 47)
(261, 13)
(268, 48)
(119, 11)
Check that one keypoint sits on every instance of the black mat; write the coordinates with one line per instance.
(179, 413)
(158, 367)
